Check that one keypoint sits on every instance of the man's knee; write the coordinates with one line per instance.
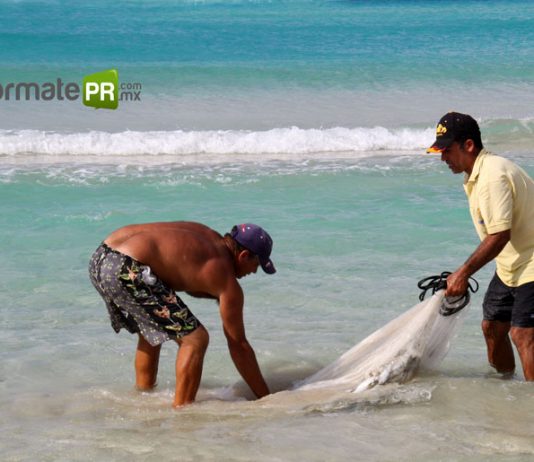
(198, 339)
(495, 330)
(204, 337)
(523, 337)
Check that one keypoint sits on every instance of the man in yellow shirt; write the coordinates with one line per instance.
(501, 202)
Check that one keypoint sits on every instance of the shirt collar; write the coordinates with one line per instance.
(476, 167)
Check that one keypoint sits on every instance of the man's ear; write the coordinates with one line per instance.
(243, 255)
(469, 146)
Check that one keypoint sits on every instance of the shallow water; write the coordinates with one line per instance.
(352, 238)
(308, 117)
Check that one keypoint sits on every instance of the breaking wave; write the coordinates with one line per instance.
(291, 140)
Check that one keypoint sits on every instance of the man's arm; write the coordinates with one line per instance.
(488, 249)
(231, 309)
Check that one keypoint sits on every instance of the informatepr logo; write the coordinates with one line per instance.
(101, 90)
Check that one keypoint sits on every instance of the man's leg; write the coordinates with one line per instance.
(189, 361)
(497, 309)
(523, 338)
(146, 364)
(500, 352)
(522, 331)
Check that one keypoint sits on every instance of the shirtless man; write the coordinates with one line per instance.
(137, 270)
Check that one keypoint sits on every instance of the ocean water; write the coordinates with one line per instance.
(307, 117)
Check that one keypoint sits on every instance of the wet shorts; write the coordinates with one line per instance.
(509, 304)
(137, 299)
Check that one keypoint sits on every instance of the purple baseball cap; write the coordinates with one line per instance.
(258, 241)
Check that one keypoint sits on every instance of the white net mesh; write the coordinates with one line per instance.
(419, 338)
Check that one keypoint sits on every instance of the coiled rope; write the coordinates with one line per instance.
(450, 305)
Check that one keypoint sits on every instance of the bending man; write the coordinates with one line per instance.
(137, 270)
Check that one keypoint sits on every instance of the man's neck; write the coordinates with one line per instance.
(471, 161)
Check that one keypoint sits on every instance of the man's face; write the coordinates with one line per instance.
(247, 263)
(456, 158)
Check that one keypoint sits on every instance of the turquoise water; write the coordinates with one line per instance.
(260, 65)
(352, 238)
(307, 117)
(348, 44)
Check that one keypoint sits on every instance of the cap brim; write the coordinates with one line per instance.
(268, 266)
(440, 145)
(434, 150)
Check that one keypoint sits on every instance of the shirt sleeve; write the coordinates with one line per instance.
(496, 205)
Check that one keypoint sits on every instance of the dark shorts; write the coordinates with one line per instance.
(509, 304)
(137, 299)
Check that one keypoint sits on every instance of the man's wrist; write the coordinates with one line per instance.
(465, 271)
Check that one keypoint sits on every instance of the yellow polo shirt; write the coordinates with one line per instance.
(501, 197)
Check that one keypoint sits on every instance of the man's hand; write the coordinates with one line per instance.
(457, 284)
(488, 249)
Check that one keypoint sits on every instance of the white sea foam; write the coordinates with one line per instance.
(291, 140)
(213, 146)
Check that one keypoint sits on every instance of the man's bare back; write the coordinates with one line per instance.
(185, 255)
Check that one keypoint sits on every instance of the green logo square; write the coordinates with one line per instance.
(101, 90)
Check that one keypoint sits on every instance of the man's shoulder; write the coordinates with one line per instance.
(218, 272)
(503, 171)
(211, 249)
(493, 166)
